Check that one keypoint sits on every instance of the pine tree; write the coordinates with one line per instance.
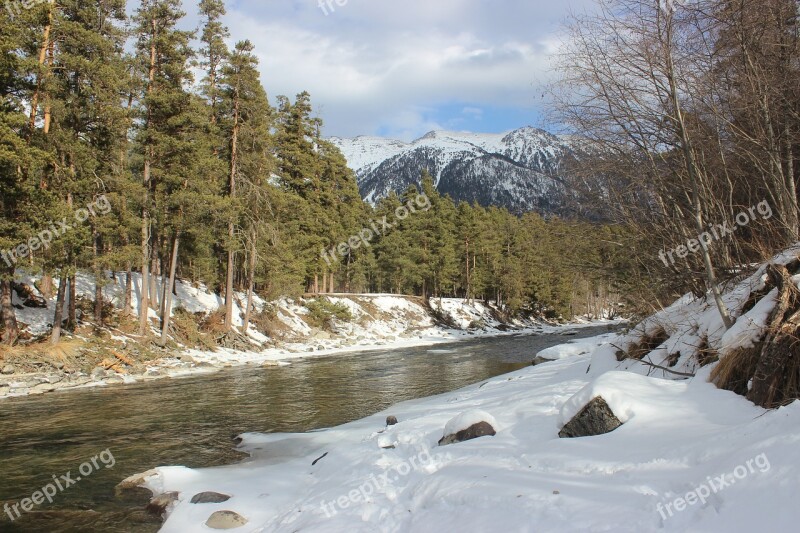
(18, 165)
(163, 53)
(247, 125)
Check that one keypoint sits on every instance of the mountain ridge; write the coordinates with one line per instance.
(519, 170)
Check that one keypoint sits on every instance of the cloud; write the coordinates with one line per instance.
(388, 67)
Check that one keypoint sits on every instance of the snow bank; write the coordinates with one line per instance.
(468, 419)
(693, 326)
(525, 478)
(682, 436)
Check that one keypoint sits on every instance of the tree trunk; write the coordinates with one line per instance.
(46, 286)
(692, 170)
(154, 273)
(42, 57)
(144, 298)
(231, 226)
(126, 308)
(144, 289)
(72, 320)
(58, 317)
(7, 314)
(167, 310)
(251, 277)
(780, 346)
(98, 277)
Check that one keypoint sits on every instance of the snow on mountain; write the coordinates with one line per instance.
(518, 170)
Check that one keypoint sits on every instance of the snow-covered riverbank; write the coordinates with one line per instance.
(674, 452)
(284, 333)
(678, 436)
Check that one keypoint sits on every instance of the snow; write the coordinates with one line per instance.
(468, 419)
(677, 435)
(689, 456)
(380, 322)
(572, 349)
(694, 323)
(751, 326)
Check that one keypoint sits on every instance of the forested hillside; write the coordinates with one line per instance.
(130, 145)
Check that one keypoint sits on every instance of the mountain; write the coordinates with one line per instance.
(518, 170)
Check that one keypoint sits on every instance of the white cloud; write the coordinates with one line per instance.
(383, 65)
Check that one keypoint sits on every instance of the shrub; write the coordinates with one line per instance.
(323, 312)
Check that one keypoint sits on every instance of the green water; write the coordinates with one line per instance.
(192, 421)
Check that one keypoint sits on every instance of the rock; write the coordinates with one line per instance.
(467, 426)
(391, 421)
(322, 336)
(135, 482)
(210, 497)
(98, 373)
(481, 429)
(596, 418)
(8, 370)
(226, 520)
(43, 387)
(159, 505)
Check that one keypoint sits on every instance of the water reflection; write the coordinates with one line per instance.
(191, 421)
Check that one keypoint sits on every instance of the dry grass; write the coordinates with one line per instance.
(706, 354)
(736, 369)
(648, 343)
(268, 323)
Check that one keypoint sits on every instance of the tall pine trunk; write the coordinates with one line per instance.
(144, 296)
(58, 317)
(251, 277)
(7, 314)
(231, 227)
(42, 58)
(126, 308)
(167, 310)
(72, 315)
(98, 279)
(46, 286)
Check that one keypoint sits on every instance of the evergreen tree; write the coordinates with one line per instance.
(163, 52)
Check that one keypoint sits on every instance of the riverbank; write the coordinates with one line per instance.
(367, 476)
(192, 362)
(649, 430)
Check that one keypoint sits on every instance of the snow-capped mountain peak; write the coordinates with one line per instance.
(518, 170)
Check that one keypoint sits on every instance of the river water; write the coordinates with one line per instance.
(192, 421)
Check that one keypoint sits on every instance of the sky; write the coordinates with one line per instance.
(400, 69)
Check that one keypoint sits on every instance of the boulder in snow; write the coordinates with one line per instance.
(596, 418)
(210, 497)
(159, 505)
(467, 426)
(226, 520)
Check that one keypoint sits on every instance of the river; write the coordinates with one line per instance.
(192, 421)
